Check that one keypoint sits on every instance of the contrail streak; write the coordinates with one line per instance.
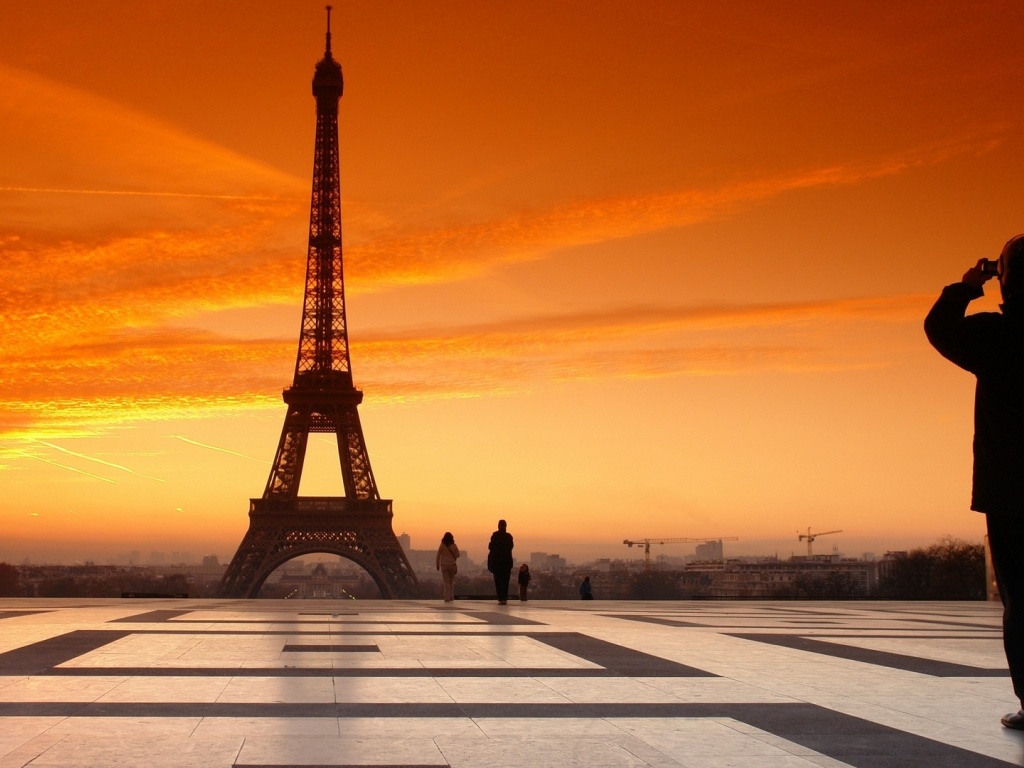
(98, 461)
(65, 466)
(134, 193)
(215, 448)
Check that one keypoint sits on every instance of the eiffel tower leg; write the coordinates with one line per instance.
(239, 579)
(291, 454)
(355, 461)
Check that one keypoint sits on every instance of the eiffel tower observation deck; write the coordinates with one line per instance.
(322, 398)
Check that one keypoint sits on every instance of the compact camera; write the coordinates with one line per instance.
(989, 267)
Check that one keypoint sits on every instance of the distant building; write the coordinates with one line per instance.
(423, 561)
(710, 551)
(886, 567)
(671, 562)
(542, 561)
(768, 578)
(318, 582)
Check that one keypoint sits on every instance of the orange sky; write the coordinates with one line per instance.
(615, 270)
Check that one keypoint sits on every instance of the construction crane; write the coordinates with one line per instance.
(646, 544)
(811, 537)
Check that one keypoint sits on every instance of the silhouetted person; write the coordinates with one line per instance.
(524, 581)
(447, 554)
(499, 560)
(991, 346)
(585, 592)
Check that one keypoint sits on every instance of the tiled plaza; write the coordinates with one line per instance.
(471, 683)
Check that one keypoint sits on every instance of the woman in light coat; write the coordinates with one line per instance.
(447, 554)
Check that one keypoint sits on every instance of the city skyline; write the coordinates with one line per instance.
(656, 271)
(476, 558)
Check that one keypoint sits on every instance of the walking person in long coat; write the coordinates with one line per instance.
(499, 560)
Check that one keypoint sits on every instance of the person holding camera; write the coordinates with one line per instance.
(991, 346)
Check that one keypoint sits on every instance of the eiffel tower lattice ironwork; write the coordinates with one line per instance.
(322, 398)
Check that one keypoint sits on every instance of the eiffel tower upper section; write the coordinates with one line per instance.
(322, 397)
(323, 360)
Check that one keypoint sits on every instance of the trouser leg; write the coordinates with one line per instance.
(501, 579)
(1006, 542)
(448, 579)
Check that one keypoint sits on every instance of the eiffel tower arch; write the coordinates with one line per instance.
(322, 398)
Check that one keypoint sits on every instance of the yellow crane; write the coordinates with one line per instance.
(811, 537)
(646, 544)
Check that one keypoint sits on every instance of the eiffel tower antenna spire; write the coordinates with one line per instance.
(327, 52)
(322, 398)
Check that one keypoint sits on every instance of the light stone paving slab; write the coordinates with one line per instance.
(156, 751)
(419, 727)
(157, 689)
(295, 728)
(412, 750)
(973, 652)
(675, 737)
(278, 690)
(36, 689)
(718, 689)
(19, 730)
(384, 690)
(124, 727)
(624, 690)
(190, 682)
(514, 690)
(584, 752)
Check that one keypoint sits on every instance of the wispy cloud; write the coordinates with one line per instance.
(133, 193)
(471, 249)
(215, 448)
(199, 228)
(97, 460)
(130, 228)
(628, 342)
(158, 376)
(25, 455)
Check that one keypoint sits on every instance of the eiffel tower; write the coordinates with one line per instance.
(322, 398)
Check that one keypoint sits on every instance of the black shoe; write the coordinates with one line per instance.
(502, 602)
(1014, 720)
